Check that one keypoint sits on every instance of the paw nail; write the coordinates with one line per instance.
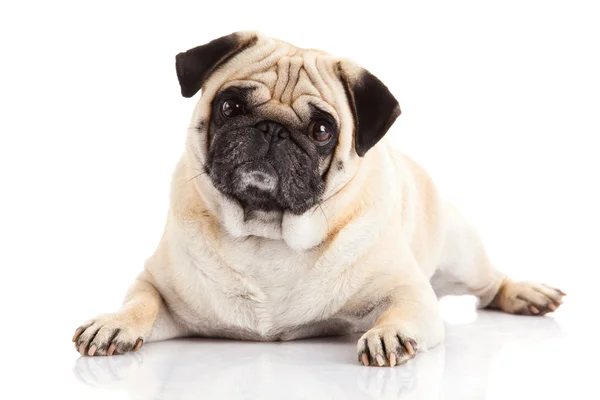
(365, 360)
(534, 310)
(551, 306)
(78, 332)
(561, 292)
(92, 350)
(380, 360)
(82, 349)
(111, 349)
(392, 360)
(138, 344)
(409, 348)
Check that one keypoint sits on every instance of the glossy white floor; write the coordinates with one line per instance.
(485, 355)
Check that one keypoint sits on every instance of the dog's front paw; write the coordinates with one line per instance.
(386, 345)
(107, 334)
(528, 298)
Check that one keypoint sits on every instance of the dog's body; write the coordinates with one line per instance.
(261, 289)
(311, 238)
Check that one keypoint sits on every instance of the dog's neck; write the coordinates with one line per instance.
(194, 198)
(300, 232)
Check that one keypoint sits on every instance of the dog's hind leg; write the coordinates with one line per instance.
(466, 269)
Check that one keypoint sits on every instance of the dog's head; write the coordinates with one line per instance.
(278, 129)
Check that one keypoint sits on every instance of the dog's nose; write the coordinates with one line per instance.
(272, 130)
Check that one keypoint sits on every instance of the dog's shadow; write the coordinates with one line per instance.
(315, 368)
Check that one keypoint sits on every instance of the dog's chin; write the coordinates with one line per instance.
(255, 186)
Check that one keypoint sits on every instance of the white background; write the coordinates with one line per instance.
(500, 100)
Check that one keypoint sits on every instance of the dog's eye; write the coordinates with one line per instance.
(232, 108)
(321, 132)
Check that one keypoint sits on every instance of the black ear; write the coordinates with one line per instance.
(374, 107)
(195, 65)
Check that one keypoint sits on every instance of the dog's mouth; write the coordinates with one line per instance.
(254, 184)
(255, 181)
(258, 185)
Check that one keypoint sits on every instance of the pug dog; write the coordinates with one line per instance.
(291, 216)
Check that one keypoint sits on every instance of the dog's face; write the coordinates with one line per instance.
(264, 159)
(278, 129)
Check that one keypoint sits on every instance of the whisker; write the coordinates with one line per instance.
(298, 116)
(261, 104)
(196, 176)
(325, 215)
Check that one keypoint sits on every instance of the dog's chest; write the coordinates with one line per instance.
(258, 289)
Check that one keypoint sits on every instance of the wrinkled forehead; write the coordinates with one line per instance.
(285, 76)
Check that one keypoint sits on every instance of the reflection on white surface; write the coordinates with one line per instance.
(476, 356)
(219, 369)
